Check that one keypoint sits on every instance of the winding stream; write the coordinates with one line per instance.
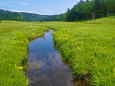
(46, 67)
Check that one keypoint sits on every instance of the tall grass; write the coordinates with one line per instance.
(89, 49)
(14, 41)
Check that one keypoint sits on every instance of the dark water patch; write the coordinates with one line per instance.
(46, 67)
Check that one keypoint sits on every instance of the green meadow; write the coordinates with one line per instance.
(88, 47)
(14, 42)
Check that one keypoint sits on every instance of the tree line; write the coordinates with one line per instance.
(20, 16)
(86, 10)
(83, 10)
(8, 15)
(91, 10)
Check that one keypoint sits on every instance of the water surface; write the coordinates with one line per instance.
(46, 67)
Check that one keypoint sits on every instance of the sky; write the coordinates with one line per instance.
(43, 7)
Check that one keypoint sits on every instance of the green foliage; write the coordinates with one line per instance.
(14, 41)
(21, 16)
(32, 16)
(89, 49)
(8, 15)
(85, 10)
(20, 40)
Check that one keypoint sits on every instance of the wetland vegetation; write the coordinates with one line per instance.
(88, 48)
(84, 36)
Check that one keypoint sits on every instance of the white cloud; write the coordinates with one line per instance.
(24, 11)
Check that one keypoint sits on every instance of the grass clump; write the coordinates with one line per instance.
(89, 49)
(14, 41)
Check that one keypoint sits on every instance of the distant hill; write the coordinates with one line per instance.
(32, 16)
(8, 15)
(21, 16)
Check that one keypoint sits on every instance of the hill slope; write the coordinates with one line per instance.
(20, 16)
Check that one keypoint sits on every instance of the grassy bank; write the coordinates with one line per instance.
(89, 48)
(14, 41)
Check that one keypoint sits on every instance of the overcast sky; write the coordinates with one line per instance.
(44, 7)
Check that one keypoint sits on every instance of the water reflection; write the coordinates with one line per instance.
(46, 67)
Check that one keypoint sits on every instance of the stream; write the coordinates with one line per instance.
(46, 67)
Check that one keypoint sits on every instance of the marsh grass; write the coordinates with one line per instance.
(14, 42)
(89, 49)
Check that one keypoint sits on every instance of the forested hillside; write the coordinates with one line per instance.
(8, 15)
(91, 9)
(84, 10)
(20, 16)
(32, 16)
